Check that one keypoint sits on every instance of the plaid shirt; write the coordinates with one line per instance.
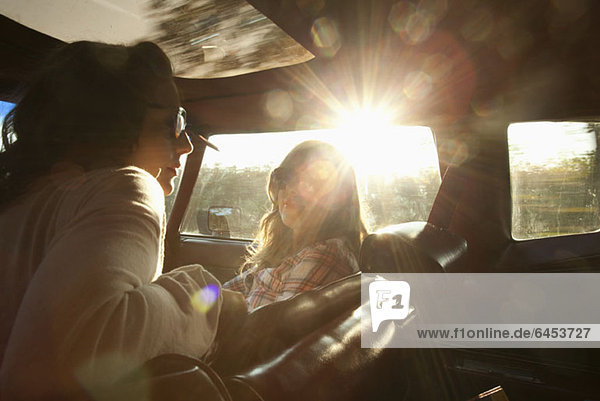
(315, 265)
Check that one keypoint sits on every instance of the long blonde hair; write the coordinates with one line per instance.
(274, 241)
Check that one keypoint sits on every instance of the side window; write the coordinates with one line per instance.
(397, 175)
(554, 176)
(5, 107)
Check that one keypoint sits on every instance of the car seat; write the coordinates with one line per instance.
(415, 247)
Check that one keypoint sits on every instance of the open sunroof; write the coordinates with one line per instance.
(203, 38)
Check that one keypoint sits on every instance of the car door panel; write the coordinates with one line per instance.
(548, 374)
(222, 257)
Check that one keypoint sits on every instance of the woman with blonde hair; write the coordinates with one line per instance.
(313, 232)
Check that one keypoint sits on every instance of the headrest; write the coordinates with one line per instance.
(415, 247)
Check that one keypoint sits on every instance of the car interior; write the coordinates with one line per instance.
(505, 97)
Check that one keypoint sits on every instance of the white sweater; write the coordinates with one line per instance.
(82, 296)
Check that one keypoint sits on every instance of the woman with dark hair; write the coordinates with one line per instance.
(313, 232)
(82, 225)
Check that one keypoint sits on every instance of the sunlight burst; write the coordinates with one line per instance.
(364, 120)
(374, 146)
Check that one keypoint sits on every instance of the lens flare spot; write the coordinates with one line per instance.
(417, 85)
(307, 122)
(325, 36)
(104, 369)
(457, 151)
(301, 95)
(515, 44)
(204, 299)
(479, 27)
(571, 9)
(485, 108)
(399, 15)
(322, 169)
(418, 28)
(416, 23)
(438, 67)
(279, 105)
(436, 8)
(317, 179)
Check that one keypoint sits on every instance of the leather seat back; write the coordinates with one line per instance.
(273, 328)
(415, 247)
(328, 364)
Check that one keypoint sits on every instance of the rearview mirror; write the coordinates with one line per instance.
(224, 219)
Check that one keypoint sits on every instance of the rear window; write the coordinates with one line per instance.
(554, 176)
(397, 172)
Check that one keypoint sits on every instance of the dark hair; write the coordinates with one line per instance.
(86, 104)
(274, 241)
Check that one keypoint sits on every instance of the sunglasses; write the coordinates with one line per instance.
(180, 122)
(279, 179)
(306, 186)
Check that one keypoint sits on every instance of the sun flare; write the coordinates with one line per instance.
(372, 145)
(376, 147)
(362, 120)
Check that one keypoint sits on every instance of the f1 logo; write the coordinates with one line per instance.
(389, 301)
